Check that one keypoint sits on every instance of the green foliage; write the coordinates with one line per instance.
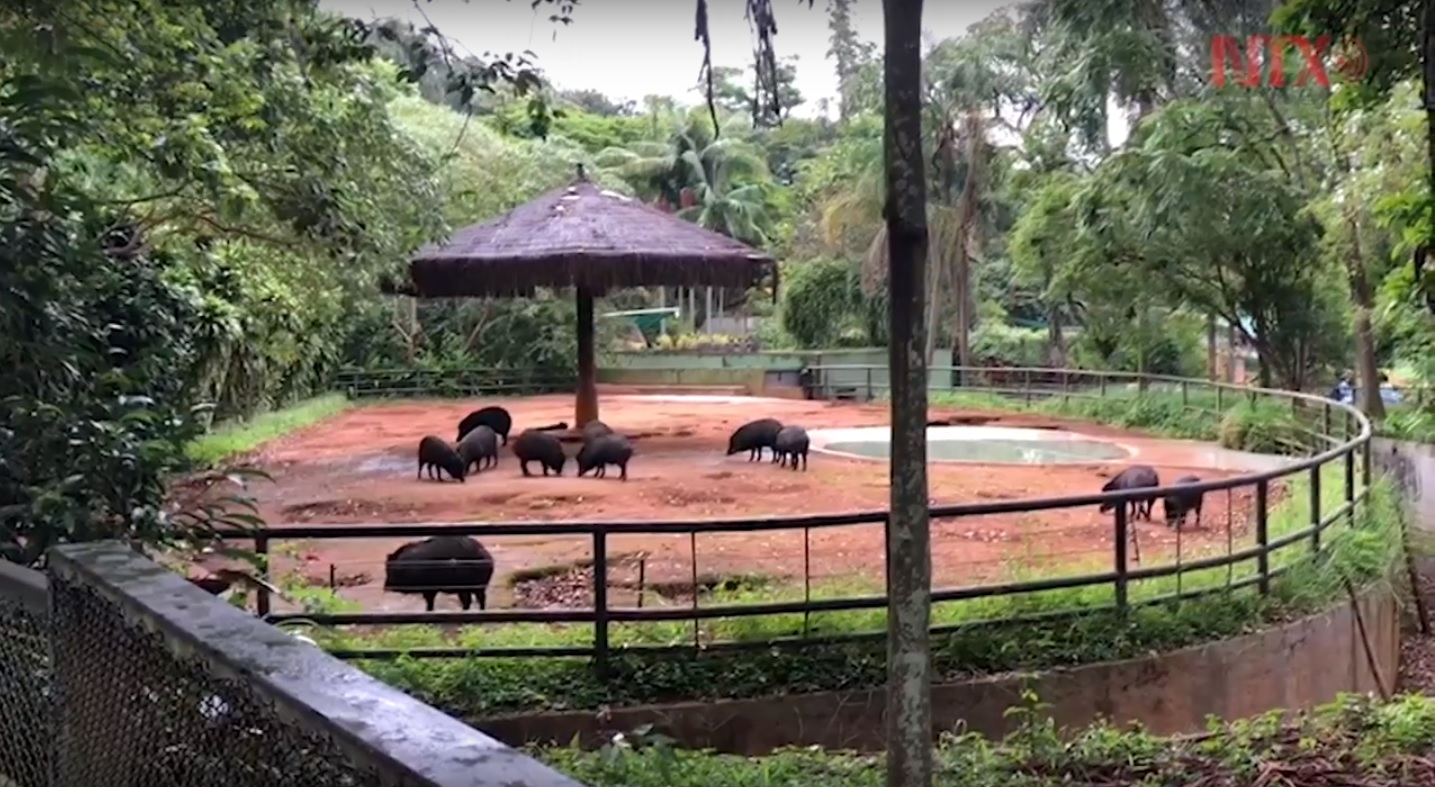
(1356, 741)
(233, 439)
(191, 200)
(822, 304)
(1003, 345)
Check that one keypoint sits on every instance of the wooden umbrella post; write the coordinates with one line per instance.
(586, 408)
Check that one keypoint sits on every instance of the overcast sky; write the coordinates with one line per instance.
(633, 48)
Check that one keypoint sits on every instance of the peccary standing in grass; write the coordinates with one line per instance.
(539, 446)
(457, 565)
(479, 447)
(594, 430)
(436, 455)
(495, 418)
(1178, 502)
(1133, 477)
(790, 444)
(753, 437)
(608, 449)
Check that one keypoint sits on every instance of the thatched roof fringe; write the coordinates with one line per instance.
(581, 235)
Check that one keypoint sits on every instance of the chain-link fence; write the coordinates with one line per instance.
(25, 751)
(122, 674)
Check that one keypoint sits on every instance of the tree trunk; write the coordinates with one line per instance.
(1231, 336)
(1427, 61)
(1211, 358)
(933, 273)
(1143, 345)
(1364, 298)
(909, 553)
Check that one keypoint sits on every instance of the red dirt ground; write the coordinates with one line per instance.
(359, 467)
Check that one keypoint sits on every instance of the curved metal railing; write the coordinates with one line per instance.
(1334, 436)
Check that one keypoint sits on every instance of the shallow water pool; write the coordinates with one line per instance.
(988, 444)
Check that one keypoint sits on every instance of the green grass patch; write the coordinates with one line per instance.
(1233, 419)
(1405, 422)
(232, 439)
(1351, 742)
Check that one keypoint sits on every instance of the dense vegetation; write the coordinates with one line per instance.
(1350, 743)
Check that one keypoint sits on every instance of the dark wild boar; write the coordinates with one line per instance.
(479, 447)
(791, 443)
(539, 446)
(1134, 477)
(1179, 502)
(436, 455)
(609, 449)
(495, 418)
(456, 565)
(753, 437)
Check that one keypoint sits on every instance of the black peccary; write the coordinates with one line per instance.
(753, 437)
(1178, 502)
(1134, 477)
(790, 444)
(539, 446)
(594, 430)
(437, 455)
(457, 565)
(479, 447)
(495, 418)
(608, 449)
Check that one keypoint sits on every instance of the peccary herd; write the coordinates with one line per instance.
(482, 431)
(1175, 505)
(787, 443)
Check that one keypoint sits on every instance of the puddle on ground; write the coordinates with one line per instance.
(384, 463)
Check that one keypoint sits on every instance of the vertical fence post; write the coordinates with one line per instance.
(1263, 536)
(1102, 376)
(1365, 462)
(1065, 386)
(600, 601)
(1026, 384)
(1220, 398)
(1185, 394)
(1315, 507)
(262, 600)
(1123, 536)
(871, 392)
(1349, 474)
(1326, 426)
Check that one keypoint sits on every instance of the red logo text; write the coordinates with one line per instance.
(1281, 60)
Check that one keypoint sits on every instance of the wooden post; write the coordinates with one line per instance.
(586, 409)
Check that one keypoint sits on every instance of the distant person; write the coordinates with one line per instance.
(1343, 391)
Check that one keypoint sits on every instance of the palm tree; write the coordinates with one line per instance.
(714, 181)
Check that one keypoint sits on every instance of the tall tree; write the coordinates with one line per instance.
(909, 553)
(849, 53)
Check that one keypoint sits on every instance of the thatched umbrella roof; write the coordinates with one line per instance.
(581, 235)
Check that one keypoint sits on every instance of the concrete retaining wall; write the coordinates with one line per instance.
(1297, 666)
